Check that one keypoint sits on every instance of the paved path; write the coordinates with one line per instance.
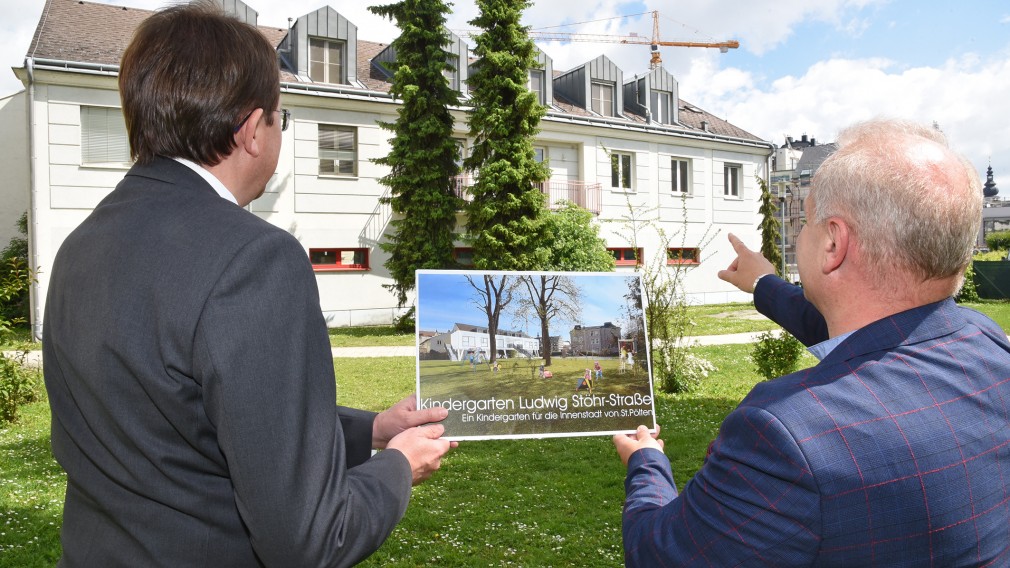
(35, 357)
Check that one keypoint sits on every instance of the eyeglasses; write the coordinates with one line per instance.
(285, 119)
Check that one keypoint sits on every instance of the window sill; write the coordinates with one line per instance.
(340, 269)
(347, 177)
(682, 263)
(107, 166)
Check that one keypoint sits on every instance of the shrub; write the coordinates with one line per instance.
(680, 370)
(776, 354)
(968, 291)
(18, 385)
(998, 240)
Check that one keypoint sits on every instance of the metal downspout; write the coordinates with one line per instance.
(33, 291)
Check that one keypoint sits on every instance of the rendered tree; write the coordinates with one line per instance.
(505, 217)
(493, 295)
(423, 158)
(770, 227)
(549, 298)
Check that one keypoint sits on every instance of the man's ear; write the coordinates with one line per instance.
(836, 244)
(246, 135)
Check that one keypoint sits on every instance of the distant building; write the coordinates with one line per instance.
(599, 340)
(793, 166)
(465, 339)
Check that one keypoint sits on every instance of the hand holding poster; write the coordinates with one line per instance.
(533, 354)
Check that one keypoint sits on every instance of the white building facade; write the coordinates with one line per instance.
(616, 146)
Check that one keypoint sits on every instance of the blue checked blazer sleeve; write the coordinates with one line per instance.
(753, 503)
(784, 304)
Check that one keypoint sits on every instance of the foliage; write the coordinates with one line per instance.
(15, 281)
(19, 384)
(968, 291)
(689, 372)
(575, 244)
(17, 306)
(776, 354)
(505, 218)
(423, 156)
(371, 336)
(990, 255)
(666, 315)
(998, 240)
(771, 227)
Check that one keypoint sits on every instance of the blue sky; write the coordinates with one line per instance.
(446, 298)
(803, 67)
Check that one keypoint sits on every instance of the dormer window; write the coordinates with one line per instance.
(326, 60)
(603, 99)
(452, 74)
(536, 84)
(661, 107)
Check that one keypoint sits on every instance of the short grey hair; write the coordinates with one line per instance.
(914, 204)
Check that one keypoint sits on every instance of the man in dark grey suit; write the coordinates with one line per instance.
(186, 357)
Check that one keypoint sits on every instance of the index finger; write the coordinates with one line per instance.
(737, 244)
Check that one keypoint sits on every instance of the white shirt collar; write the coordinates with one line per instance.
(209, 178)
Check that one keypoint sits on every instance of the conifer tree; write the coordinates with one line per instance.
(770, 228)
(423, 158)
(505, 224)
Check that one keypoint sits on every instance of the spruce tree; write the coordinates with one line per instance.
(770, 228)
(423, 158)
(505, 224)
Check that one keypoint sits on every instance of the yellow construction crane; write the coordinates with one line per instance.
(655, 42)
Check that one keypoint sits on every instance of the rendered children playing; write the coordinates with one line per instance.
(598, 369)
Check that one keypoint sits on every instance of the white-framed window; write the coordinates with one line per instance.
(621, 170)
(338, 150)
(602, 98)
(326, 60)
(452, 73)
(103, 137)
(732, 175)
(536, 84)
(661, 107)
(680, 173)
(539, 154)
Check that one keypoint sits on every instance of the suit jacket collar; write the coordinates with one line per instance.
(904, 328)
(170, 171)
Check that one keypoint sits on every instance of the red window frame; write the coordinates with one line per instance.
(683, 255)
(458, 252)
(320, 259)
(627, 256)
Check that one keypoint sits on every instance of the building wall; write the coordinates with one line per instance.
(344, 211)
(13, 163)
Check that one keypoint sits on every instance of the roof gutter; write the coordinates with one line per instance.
(78, 66)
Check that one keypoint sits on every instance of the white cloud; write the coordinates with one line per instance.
(965, 96)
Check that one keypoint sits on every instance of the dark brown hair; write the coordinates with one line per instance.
(189, 76)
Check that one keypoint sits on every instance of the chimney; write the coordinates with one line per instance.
(704, 125)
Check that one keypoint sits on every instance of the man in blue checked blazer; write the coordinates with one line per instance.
(895, 449)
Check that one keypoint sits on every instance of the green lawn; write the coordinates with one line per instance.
(494, 503)
(525, 503)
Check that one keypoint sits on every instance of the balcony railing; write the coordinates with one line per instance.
(584, 194)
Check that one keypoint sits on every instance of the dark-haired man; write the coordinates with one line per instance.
(186, 358)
